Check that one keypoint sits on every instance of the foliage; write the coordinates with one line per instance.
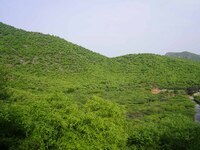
(3, 83)
(197, 99)
(56, 122)
(169, 132)
(127, 116)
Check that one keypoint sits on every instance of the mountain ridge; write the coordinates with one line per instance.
(184, 54)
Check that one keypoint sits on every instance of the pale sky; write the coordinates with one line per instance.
(112, 27)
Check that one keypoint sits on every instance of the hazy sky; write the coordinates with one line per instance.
(112, 27)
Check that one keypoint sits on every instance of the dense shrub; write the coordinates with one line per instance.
(197, 99)
(56, 122)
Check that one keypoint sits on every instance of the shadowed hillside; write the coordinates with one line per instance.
(184, 54)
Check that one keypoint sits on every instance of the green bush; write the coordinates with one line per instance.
(56, 122)
(197, 99)
(171, 132)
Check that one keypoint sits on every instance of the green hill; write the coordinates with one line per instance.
(57, 95)
(156, 70)
(34, 54)
(45, 52)
(184, 54)
(38, 58)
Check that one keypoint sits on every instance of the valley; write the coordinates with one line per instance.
(58, 95)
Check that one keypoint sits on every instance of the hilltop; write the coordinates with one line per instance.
(184, 54)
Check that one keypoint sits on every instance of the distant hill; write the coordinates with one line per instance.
(184, 54)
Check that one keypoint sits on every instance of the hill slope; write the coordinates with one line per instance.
(49, 61)
(184, 54)
(159, 70)
(45, 52)
(41, 59)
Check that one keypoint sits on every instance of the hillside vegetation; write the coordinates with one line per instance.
(58, 95)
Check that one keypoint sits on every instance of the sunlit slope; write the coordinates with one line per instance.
(161, 71)
(34, 59)
(39, 62)
(45, 53)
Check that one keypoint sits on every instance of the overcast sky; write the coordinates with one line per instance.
(112, 27)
